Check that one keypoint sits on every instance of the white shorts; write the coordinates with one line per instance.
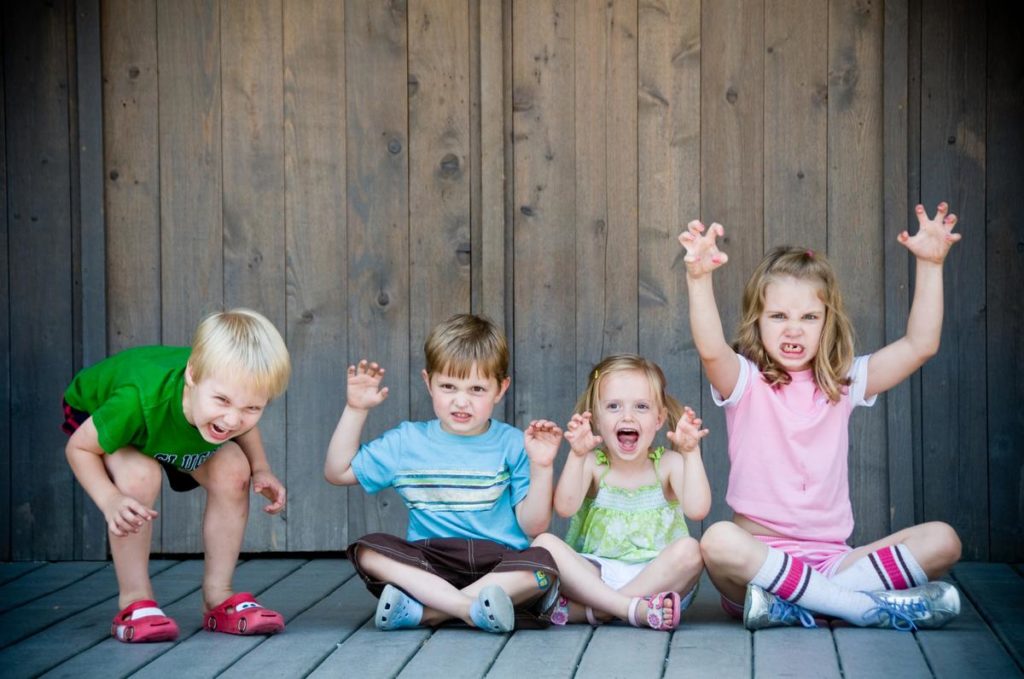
(616, 574)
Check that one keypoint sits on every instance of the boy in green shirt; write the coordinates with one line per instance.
(192, 413)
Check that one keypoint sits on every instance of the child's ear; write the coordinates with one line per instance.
(189, 379)
(426, 379)
(502, 388)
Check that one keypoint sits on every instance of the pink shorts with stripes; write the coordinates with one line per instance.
(824, 557)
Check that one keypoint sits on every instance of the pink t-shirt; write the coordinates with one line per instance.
(788, 450)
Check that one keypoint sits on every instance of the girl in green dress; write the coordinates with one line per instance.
(628, 553)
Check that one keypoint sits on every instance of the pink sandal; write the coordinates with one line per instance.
(143, 621)
(240, 614)
(655, 607)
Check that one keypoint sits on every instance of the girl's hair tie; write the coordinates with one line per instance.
(810, 253)
(597, 374)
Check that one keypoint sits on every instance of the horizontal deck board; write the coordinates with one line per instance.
(330, 633)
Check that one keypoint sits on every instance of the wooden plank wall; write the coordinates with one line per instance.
(359, 171)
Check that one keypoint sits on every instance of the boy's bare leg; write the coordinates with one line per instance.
(225, 477)
(138, 476)
(440, 599)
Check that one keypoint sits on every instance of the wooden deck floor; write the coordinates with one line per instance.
(55, 617)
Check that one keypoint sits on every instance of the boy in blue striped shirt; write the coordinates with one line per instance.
(478, 491)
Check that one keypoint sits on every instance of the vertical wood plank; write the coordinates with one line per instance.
(6, 443)
(544, 203)
(606, 181)
(668, 149)
(378, 223)
(254, 219)
(796, 123)
(855, 238)
(914, 104)
(91, 528)
(490, 287)
(732, 184)
(40, 309)
(439, 177)
(1004, 234)
(191, 233)
(131, 172)
(895, 210)
(315, 199)
(132, 177)
(955, 432)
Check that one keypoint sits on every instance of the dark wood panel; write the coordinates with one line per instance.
(1004, 280)
(954, 423)
(896, 214)
(605, 83)
(315, 199)
(40, 275)
(252, 129)
(191, 230)
(668, 176)
(732, 182)
(87, 187)
(796, 123)
(378, 224)
(6, 444)
(855, 237)
(439, 177)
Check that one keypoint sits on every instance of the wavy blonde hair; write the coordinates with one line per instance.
(464, 339)
(245, 343)
(624, 363)
(835, 350)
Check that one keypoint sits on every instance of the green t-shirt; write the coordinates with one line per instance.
(134, 398)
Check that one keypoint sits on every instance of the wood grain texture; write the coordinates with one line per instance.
(440, 252)
(545, 293)
(40, 275)
(191, 211)
(6, 450)
(317, 265)
(796, 123)
(896, 211)
(1004, 279)
(855, 236)
(732, 181)
(377, 166)
(252, 130)
(954, 390)
(606, 181)
(668, 176)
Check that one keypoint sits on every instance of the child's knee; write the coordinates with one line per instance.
(141, 480)
(719, 542)
(687, 554)
(547, 541)
(228, 473)
(945, 541)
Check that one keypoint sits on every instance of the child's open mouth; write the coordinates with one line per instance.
(792, 349)
(627, 438)
(462, 418)
(218, 432)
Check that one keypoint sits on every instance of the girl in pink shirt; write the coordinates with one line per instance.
(788, 389)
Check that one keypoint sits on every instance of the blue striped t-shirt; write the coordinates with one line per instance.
(454, 486)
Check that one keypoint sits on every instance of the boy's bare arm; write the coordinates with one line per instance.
(363, 394)
(541, 442)
(264, 481)
(123, 514)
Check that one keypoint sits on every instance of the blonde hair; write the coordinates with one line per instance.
(835, 350)
(247, 344)
(463, 340)
(616, 363)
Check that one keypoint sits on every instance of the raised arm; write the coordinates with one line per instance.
(541, 440)
(688, 480)
(893, 363)
(702, 258)
(363, 394)
(578, 472)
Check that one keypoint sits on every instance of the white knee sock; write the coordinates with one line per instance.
(892, 567)
(796, 582)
